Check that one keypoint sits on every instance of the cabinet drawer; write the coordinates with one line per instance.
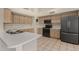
(55, 33)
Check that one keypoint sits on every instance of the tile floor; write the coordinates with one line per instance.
(50, 44)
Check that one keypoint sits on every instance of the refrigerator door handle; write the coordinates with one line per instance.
(68, 24)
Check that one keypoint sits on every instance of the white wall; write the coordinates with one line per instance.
(1, 19)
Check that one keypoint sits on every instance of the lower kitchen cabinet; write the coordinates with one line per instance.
(55, 33)
(32, 46)
(39, 31)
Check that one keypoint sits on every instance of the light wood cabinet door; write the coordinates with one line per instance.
(55, 33)
(41, 20)
(47, 17)
(7, 16)
(53, 17)
(39, 31)
(72, 13)
(20, 19)
(25, 18)
(56, 18)
(16, 21)
(29, 20)
(23, 22)
(52, 33)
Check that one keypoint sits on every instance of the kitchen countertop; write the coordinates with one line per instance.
(15, 40)
(56, 27)
(35, 26)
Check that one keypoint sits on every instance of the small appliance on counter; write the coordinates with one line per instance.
(14, 31)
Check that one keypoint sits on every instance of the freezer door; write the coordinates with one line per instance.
(64, 24)
(69, 38)
(72, 24)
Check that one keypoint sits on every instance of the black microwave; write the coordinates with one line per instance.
(47, 21)
(48, 26)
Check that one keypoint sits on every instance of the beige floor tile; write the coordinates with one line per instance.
(50, 44)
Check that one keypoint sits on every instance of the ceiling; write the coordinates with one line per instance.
(41, 11)
(32, 11)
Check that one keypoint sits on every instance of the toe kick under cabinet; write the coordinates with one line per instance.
(55, 33)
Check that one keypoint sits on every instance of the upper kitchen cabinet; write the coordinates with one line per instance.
(29, 20)
(7, 16)
(16, 19)
(22, 19)
(47, 17)
(41, 19)
(70, 13)
(56, 18)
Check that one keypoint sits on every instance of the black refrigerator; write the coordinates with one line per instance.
(69, 29)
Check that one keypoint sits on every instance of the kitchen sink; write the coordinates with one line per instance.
(14, 32)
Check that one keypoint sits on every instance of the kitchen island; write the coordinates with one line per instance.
(19, 40)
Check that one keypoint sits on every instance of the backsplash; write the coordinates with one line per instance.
(21, 26)
(16, 26)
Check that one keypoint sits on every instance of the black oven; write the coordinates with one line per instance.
(46, 29)
(46, 32)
